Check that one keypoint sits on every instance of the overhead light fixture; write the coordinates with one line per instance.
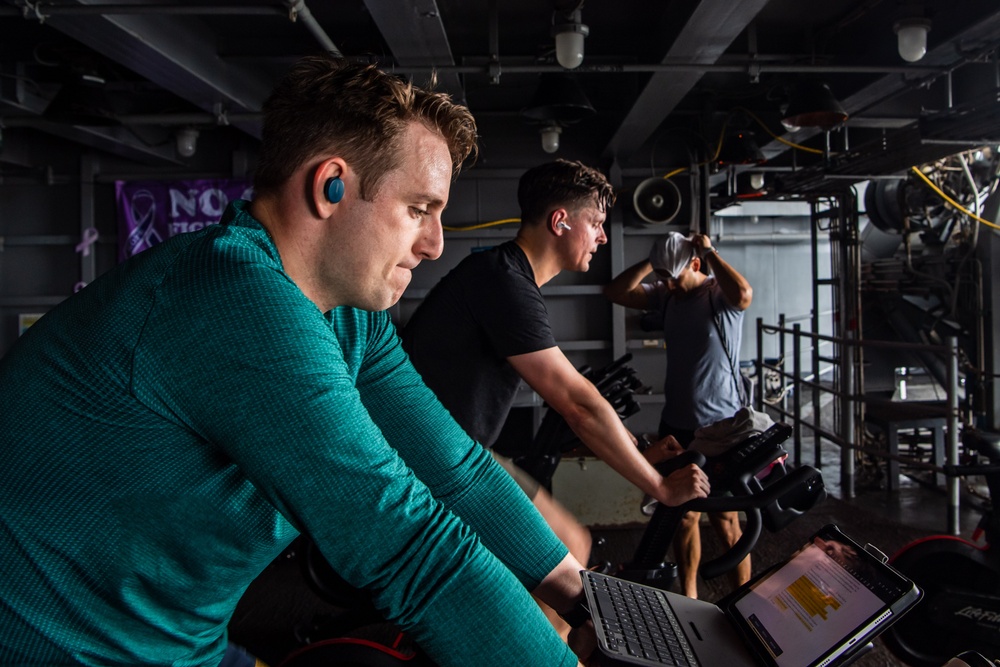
(813, 104)
(911, 38)
(558, 102)
(550, 138)
(569, 31)
(558, 97)
(187, 141)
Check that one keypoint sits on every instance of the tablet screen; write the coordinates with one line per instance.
(819, 603)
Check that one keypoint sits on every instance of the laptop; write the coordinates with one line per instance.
(817, 609)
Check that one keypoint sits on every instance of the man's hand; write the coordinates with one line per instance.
(682, 485)
(703, 242)
(661, 450)
(735, 287)
(583, 641)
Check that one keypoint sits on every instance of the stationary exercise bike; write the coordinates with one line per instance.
(353, 639)
(772, 500)
(751, 477)
(960, 578)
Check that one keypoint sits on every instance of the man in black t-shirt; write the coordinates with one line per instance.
(484, 327)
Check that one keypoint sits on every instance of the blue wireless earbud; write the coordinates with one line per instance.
(334, 190)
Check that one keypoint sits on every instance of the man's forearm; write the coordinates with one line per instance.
(562, 589)
(626, 286)
(600, 428)
(734, 286)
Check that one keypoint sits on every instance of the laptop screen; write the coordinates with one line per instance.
(829, 596)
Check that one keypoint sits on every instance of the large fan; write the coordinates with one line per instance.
(657, 200)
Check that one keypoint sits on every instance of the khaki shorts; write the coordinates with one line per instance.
(527, 483)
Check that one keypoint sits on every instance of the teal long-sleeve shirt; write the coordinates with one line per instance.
(166, 432)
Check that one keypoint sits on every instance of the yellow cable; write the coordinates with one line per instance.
(776, 137)
(470, 228)
(722, 136)
(952, 201)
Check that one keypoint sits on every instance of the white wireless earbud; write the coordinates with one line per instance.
(563, 225)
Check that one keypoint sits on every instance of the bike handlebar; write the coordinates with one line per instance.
(774, 505)
(768, 499)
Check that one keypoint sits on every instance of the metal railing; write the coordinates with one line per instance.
(845, 393)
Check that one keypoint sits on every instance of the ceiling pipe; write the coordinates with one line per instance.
(167, 119)
(758, 68)
(297, 9)
(196, 118)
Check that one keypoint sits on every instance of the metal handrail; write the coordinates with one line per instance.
(849, 398)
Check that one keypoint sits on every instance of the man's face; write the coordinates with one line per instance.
(683, 282)
(372, 262)
(586, 233)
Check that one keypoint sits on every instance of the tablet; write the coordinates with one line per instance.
(827, 601)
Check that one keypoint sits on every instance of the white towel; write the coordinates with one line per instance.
(716, 438)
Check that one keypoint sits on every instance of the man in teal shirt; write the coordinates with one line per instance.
(168, 430)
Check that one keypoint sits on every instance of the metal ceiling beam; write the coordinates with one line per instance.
(175, 53)
(414, 31)
(42, 11)
(114, 140)
(708, 32)
(748, 68)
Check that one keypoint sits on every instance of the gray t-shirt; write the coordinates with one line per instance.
(699, 388)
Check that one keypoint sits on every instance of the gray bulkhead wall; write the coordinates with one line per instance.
(41, 223)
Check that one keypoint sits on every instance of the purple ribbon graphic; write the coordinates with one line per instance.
(150, 212)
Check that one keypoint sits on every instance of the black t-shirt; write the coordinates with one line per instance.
(487, 308)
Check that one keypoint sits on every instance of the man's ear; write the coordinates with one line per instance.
(558, 221)
(696, 264)
(327, 186)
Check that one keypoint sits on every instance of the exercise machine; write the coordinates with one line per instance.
(960, 578)
(751, 477)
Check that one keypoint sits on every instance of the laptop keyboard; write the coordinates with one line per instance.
(638, 625)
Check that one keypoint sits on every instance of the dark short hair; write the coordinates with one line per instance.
(330, 106)
(561, 183)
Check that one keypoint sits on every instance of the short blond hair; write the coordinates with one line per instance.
(326, 105)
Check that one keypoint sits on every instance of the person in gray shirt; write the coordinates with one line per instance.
(702, 318)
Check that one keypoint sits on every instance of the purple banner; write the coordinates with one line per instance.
(152, 211)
